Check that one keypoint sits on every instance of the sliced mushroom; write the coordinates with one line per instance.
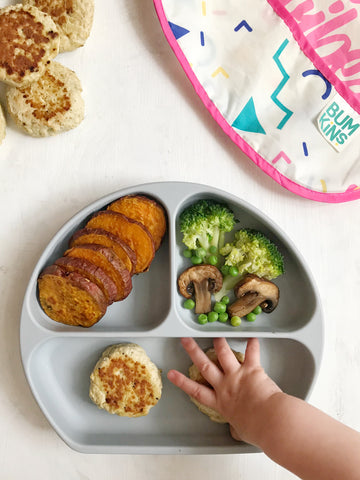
(252, 291)
(200, 282)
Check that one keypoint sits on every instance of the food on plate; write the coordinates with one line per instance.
(199, 282)
(203, 225)
(102, 258)
(107, 260)
(125, 381)
(28, 41)
(107, 239)
(2, 125)
(251, 292)
(235, 321)
(195, 375)
(73, 19)
(94, 273)
(70, 298)
(250, 252)
(50, 105)
(133, 233)
(144, 210)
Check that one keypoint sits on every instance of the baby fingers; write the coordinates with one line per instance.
(252, 353)
(203, 394)
(225, 355)
(206, 367)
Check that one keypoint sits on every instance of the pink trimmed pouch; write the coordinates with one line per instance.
(282, 78)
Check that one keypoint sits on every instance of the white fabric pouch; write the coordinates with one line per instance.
(282, 78)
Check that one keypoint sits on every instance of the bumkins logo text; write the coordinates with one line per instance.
(338, 123)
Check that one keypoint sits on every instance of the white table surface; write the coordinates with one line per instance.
(144, 123)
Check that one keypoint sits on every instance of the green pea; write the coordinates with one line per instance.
(196, 260)
(213, 260)
(223, 317)
(219, 307)
(235, 321)
(213, 316)
(251, 317)
(187, 253)
(225, 300)
(213, 250)
(189, 304)
(202, 318)
(200, 252)
(233, 271)
(257, 310)
(225, 269)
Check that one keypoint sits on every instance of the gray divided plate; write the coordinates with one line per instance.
(58, 359)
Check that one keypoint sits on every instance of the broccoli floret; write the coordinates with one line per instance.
(250, 252)
(204, 224)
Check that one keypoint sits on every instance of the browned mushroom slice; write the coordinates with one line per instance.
(252, 291)
(200, 282)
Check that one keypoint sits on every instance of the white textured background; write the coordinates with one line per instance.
(145, 123)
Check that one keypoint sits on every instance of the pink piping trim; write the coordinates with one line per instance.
(244, 146)
(310, 52)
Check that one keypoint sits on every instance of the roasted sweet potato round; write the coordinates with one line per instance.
(70, 298)
(133, 233)
(91, 271)
(106, 259)
(144, 210)
(107, 239)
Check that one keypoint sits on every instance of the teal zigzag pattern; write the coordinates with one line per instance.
(281, 86)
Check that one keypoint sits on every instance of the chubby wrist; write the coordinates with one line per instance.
(265, 425)
(258, 428)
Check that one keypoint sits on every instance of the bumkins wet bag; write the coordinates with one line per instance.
(282, 78)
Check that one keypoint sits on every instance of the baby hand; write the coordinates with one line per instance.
(239, 390)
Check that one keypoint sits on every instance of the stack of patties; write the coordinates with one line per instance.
(125, 381)
(195, 375)
(44, 97)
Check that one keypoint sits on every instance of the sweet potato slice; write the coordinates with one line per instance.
(70, 298)
(107, 239)
(92, 272)
(133, 233)
(144, 210)
(106, 259)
